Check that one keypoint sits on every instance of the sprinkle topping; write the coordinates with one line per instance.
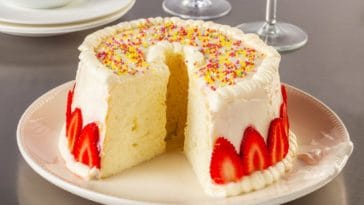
(227, 60)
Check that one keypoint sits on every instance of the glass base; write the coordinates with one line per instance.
(282, 36)
(197, 9)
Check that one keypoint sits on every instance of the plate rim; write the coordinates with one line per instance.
(110, 199)
(36, 31)
(4, 5)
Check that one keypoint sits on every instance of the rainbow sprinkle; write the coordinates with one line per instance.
(226, 59)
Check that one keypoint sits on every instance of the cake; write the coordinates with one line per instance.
(157, 84)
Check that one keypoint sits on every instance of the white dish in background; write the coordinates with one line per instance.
(38, 3)
(76, 11)
(51, 30)
(169, 178)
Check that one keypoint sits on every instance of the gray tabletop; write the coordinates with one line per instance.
(330, 67)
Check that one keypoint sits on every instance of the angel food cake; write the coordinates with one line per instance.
(149, 85)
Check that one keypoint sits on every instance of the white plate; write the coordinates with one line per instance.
(77, 11)
(51, 30)
(169, 178)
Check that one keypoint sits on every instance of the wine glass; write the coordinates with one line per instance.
(197, 9)
(282, 36)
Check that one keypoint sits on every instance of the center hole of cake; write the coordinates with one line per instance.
(177, 90)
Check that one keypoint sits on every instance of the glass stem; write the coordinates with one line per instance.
(269, 29)
(270, 13)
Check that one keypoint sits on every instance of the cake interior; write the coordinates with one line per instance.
(176, 101)
(135, 122)
(151, 119)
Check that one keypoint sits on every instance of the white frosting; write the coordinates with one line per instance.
(76, 167)
(156, 54)
(90, 98)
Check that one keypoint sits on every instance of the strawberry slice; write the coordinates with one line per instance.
(283, 114)
(74, 129)
(277, 141)
(68, 109)
(284, 93)
(225, 162)
(253, 151)
(69, 106)
(86, 150)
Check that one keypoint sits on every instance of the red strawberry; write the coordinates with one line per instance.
(68, 109)
(69, 106)
(277, 141)
(225, 162)
(74, 129)
(284, 93)
(86, 150)
(283, 114)
(253, 151)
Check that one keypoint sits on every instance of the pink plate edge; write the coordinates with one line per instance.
(104, 198)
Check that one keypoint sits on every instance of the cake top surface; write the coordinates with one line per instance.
(227, 60)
